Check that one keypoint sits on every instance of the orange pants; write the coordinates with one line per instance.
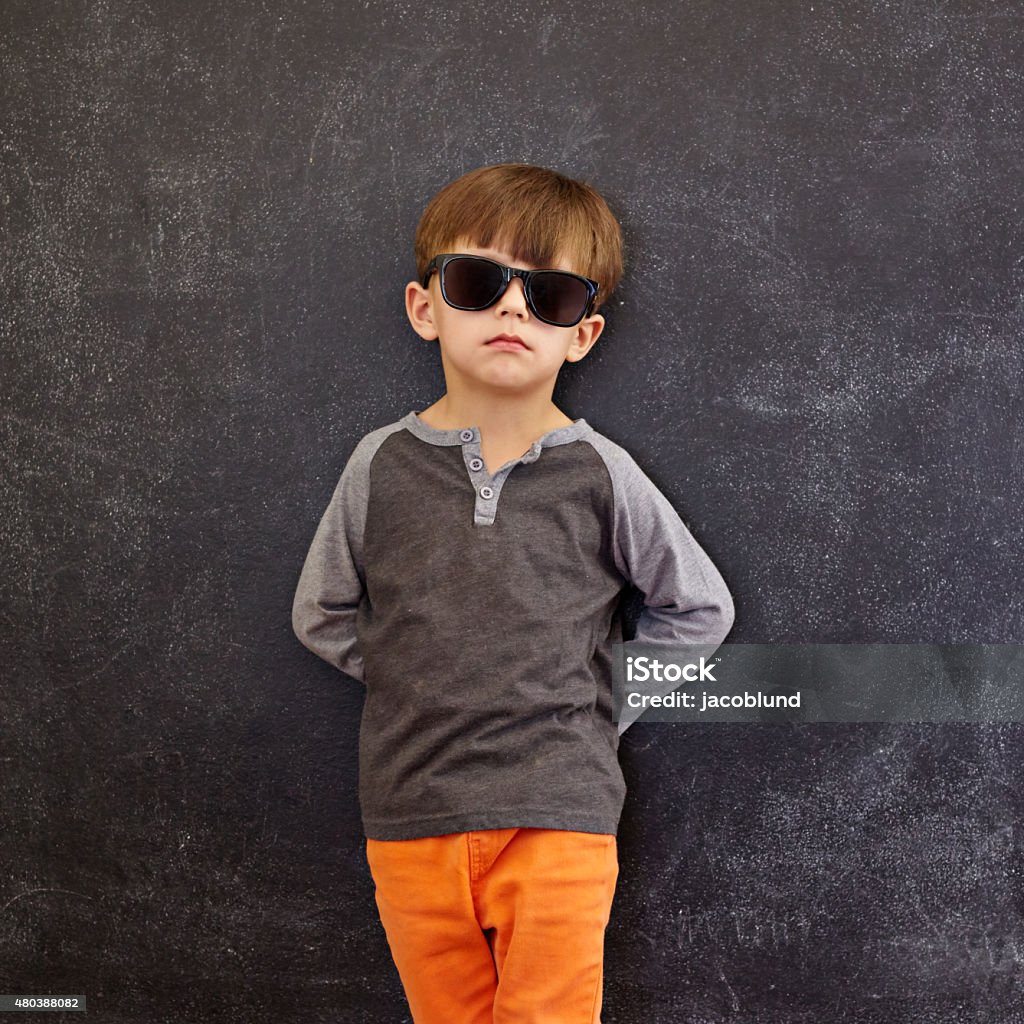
(498, 926)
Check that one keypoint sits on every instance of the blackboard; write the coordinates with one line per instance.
(207, 216)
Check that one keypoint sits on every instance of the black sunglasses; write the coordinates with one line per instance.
(474, 282)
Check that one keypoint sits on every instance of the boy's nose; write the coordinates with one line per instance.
(514, 298)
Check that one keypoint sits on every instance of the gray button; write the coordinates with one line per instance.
(476, 464)
(486, 493)
(467, 435)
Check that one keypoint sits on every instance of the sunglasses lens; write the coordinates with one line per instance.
(471, 283)
(560, 298)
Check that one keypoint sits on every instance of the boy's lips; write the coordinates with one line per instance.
(510, 341)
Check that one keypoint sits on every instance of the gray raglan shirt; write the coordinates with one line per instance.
(480, 612)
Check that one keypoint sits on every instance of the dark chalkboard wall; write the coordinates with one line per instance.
(207, 220)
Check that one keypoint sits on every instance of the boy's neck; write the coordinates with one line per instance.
(511, 419)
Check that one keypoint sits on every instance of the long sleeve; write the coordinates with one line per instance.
(331, 584)
(686, 600)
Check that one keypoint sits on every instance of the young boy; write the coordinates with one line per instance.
(468, 569)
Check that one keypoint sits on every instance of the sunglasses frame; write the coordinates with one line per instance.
(441, 261)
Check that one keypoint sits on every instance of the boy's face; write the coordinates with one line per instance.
(472, 359)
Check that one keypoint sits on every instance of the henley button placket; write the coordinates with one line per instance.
(486, 499)
(487, 488)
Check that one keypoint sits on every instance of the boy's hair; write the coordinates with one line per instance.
(536, 214)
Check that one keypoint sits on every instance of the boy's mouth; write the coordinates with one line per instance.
(506, 341)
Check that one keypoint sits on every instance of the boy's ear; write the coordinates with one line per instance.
(585, 333)
(419, 307)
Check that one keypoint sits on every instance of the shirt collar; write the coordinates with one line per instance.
(432, 435)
